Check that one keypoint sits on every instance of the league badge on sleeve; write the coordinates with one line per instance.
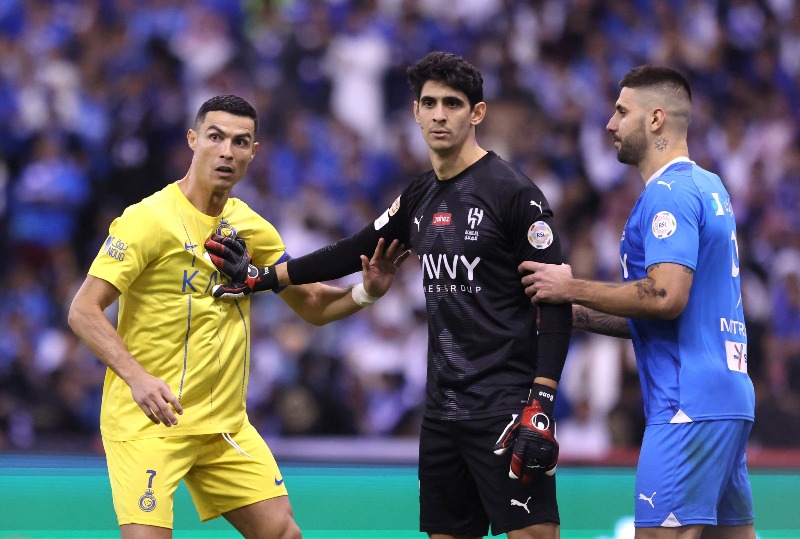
(394, 207)
(664, 225)
(381, 221)
(540, 235)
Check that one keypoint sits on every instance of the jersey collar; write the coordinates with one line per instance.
(659, 172)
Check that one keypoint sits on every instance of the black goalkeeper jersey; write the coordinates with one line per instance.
(470, 232)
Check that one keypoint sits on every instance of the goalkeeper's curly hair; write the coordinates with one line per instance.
(449, 69)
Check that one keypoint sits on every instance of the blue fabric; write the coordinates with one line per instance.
(685, 217)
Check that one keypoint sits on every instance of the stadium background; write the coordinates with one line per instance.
(95, 100)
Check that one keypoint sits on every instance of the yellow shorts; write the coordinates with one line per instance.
(222, 472)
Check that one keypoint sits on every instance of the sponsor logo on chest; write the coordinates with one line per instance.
(442, 219)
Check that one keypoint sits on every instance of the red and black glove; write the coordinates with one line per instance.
(230, 256)
(532, 437)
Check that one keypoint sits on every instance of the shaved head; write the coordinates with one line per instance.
(662, 87)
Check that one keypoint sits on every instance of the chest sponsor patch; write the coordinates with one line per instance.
(540, 235)
(442, 219)
(736, 352)
(664, 225)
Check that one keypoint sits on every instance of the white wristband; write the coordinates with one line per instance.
(361, 297)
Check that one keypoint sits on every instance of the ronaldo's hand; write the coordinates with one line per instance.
(532, 438)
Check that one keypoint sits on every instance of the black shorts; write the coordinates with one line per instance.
(464, 486)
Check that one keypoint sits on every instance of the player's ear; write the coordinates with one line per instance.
(415, 109)
(253, 152)
(657, 117)
(478, 113)
(191, 138)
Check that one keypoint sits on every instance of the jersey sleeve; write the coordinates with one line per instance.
(671, 220)
(268, 247)
(531, 227)
(344, 256)
(536, 238)
(133, 241)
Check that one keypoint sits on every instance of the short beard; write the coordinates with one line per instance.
(632, 149)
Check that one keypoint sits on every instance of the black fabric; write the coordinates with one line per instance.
(335, 260)
(555, 332)
(546, 397)
(463, 485)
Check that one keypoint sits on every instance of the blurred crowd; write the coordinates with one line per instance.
(96, 97)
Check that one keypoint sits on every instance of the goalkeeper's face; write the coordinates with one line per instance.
(445, 117)
(223, 144)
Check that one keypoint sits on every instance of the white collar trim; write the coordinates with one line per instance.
(659, 172)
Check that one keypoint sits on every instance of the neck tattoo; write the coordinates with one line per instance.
(661, 144)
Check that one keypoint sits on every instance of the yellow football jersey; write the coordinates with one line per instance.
(168, 319)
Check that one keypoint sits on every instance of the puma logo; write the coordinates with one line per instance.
(648, 500)
(417, 222)
(661, 182)
(538, 205)
(520, 504)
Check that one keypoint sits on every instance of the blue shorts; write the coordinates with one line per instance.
(694, 473)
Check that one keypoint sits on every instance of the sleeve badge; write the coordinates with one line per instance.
(540, 235)
(664, 225)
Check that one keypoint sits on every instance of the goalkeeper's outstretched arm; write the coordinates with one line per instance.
(334, 261)
(320, 304)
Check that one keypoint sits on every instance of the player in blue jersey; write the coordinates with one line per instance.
(681, 304)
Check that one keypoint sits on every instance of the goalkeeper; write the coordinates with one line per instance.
(487, 447)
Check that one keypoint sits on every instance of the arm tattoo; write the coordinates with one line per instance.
(661, 144)
(581, 317)
(647, 289)
(688, 270)
(597, 322)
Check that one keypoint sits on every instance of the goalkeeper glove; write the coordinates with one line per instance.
(532, 437)
(230, 256)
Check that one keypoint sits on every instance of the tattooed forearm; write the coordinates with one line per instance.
(647, 289)
(593, 321)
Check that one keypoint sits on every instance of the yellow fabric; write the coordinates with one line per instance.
(168, 319)
(220, 477)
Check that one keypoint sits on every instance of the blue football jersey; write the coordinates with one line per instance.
(694, 367)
